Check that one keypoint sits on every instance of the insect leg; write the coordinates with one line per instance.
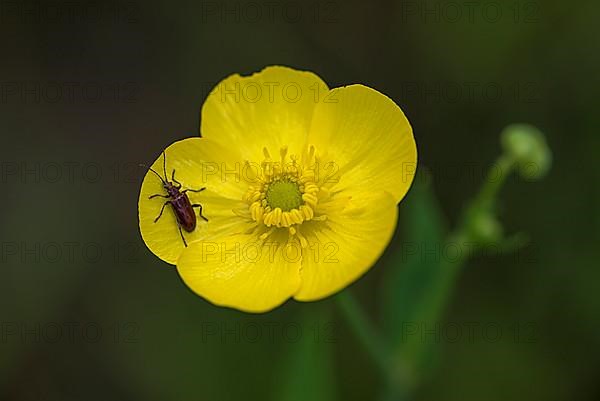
(162, 210)
(165, 164)
(174, 180)
(200, 213)
(181, 233)
(193, 190)
(155, 195)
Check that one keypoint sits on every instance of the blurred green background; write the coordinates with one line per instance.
(105, 319)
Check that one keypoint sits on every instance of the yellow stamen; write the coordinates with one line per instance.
(285, 195)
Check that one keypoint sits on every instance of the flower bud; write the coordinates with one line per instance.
(527, 146)
(485, 228)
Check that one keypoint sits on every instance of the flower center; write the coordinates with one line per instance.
(284, 194)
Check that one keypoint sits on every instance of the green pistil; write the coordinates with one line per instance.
(284, 195)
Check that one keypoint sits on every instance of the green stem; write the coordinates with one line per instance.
(411, 356)
(364, 330)
(495, 178)
(483, 202)
(393, 372)
(397, 374)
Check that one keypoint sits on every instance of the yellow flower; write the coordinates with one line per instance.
(302, 184)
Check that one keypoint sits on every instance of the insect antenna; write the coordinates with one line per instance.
(150, 168)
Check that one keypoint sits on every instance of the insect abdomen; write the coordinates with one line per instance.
(184, 212)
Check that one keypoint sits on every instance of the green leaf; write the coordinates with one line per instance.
(414, 263)
(308, 372)
(414, 273)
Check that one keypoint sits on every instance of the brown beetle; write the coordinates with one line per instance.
(179, 201)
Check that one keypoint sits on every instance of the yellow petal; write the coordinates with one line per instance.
(368, 138)
(241, 271)
(272, 108)
(198, 163)
(346, 245)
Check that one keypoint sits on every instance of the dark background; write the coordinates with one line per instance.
(86, 97)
